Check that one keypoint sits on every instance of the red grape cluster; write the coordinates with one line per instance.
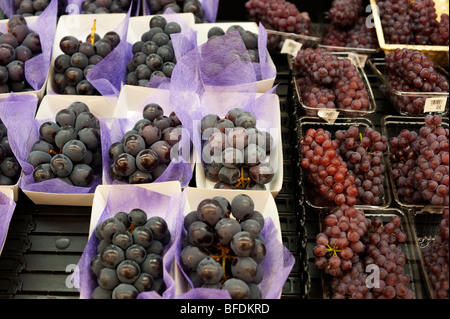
(412, 22)
(381, 249)
(340, 240)
(411, 71)
(420, 163)
(440, 33)
(357, 36)
(344, 13)
(327, 81)
(364, 157)
(435, 257)
(327, 170)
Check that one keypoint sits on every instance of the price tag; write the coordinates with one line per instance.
(328, 115)
(435, 104)
(291, 47)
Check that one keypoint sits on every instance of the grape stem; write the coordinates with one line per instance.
(242, 180)
(221, 257)
(93, 32)
(333, 250)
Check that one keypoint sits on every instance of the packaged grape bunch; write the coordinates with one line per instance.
(346, 27)
(10, 169)
(367, 254)
(60, 155)
(431, 230)
(225, 48)
(25, 52)
(288, 27)
(145, 141)
(412, 82)
(7, 206)
(344, 162)
(89, 55)
(131, 247)
(26, 8)
(421, 25)
(331, 84)
(205, 11)
(235, 147)
(418, 160)
(230, 246)
(101, 6)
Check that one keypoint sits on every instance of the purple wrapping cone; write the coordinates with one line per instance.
(276, 267)
(108, 75)
(8, 7)
(113, 130)
(154, 204)
(209, 6)
(36, 68)
(7, 206)
(17, 113)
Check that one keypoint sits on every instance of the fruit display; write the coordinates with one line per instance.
(129, 256)
(9, 166)
(235, 153)
(419, 161)
(69, 148)
(146, 150)
(348, 27)
(78, 57)
(153, 54)
(179, 6)
(435, 258)
(351, 243)
(413, 22)
(326, 81)
(346, 167)
(17, 46)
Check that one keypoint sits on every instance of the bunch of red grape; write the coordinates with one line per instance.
(327, 81)
(411, 71)
(378, 248)
(435, 257)
(345, 13)
(420, 163)
(224, 246)
(412, 22)
(358, 36)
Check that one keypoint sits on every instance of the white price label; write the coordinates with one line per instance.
(291, 47)
(328, 115)
(435, 104)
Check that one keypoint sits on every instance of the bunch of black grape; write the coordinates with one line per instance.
(435, 257)
(420, 162)
(279, 15)
(153, 54)
(179, 6)
(30, 7)
(69, 148)
(17, 46)
(345, 13)
(105, 6)
(326, 81)
(72, 66)
(235, 153)
(382, 252)
(358, 36)
(9, 166)
(223, 252)
(129, 256)
(364, 155)
(327, 170)
(412, 22)
(340, 240)
(146, 150)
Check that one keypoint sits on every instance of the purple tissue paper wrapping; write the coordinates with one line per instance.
(154, 204)
(7, 206)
